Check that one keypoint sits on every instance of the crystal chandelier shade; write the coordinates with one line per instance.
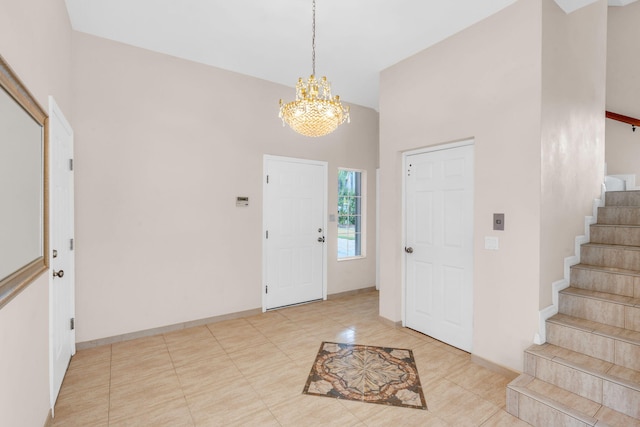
(314, 112)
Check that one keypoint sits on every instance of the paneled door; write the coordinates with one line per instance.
(439, 244)
(295, 198)
(61, 257)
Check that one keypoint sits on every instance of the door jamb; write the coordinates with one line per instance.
(325, 167)
(56, 111)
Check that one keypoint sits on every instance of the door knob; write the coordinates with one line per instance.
(321, 239)
(408, 250)
(58, 273)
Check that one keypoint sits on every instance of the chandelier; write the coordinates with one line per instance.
(314, 112)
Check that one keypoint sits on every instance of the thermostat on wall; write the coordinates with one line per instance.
(242, 201)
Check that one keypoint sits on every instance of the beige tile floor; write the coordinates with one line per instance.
(251, 372)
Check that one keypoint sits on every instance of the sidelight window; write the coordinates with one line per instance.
(351, 209)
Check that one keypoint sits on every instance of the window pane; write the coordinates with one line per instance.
(343, 205)
(349, 213)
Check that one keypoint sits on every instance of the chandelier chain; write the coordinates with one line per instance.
(313, 40)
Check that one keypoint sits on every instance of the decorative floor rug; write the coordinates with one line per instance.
(387, 376)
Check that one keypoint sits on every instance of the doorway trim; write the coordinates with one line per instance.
(403, 263)
(328, 238)
(58, 125)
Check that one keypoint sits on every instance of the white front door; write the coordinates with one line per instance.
(294, 231)
(61, 256)
(439, 244)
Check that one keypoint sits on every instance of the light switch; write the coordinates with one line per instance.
(498, 221)
(491, 243)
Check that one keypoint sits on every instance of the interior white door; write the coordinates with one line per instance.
(294, 226)
(62, 262)
(439, 244)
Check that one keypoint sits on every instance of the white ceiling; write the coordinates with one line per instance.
(570, 5)
(271, 39)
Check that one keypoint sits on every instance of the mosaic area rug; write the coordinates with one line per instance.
(387, 376)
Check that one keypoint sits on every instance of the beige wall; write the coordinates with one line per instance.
(24, 357)
(163, 147)
(623, 89)
(528, 85)
(162, 150)
(482, 83)
(573, 93)
(35, 39)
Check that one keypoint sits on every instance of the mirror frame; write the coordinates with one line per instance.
(17, 281)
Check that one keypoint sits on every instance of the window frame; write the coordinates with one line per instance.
(362, 214)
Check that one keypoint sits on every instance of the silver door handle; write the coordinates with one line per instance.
(408, 250)
(58, 273)
(321, 239)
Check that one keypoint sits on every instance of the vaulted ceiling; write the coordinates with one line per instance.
(271, 39)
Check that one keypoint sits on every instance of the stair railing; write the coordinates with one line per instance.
(624, 119)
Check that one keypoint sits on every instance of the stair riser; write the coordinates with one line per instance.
(597, 325)
(605, 312)
(621, 399)
(537, 413)
(581, 341)
(632, 318)
(603, 281)
(611, 394)
(618, 215)
(622, 198)
(610, 257)
(618, 235)
(627, 355)
(619, 352)
(574, 380)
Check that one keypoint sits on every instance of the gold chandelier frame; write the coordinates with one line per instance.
(315, 112)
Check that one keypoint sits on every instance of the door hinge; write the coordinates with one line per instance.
(71, 243)
(267, 234)
(266, 289)
(72, 323)
(267, 179)
(70, 164)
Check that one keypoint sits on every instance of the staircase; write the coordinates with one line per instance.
(588, 371)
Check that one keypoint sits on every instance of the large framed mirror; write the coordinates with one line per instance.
(23, 186)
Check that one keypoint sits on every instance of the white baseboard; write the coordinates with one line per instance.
(557, 286)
